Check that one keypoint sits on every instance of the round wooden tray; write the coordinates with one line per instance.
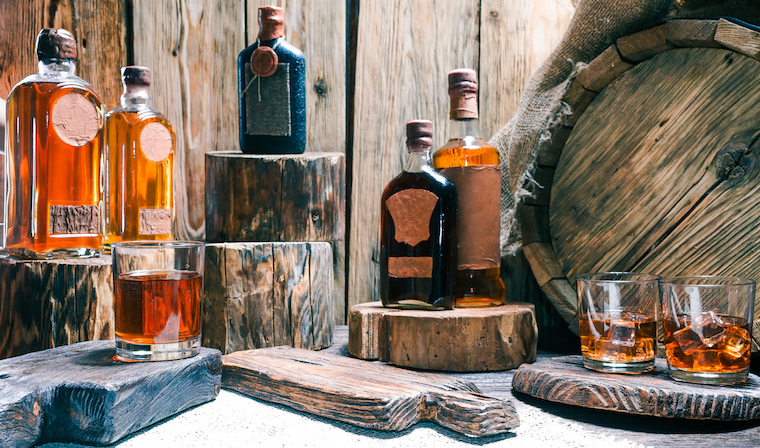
(656, 169)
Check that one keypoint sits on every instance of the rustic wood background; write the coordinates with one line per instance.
(371, 66)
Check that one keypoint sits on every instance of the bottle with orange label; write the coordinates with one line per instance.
(54, 154)
(139, 183)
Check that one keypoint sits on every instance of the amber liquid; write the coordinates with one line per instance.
(628, 339)
(134, 182)
(43, 170)
(474, 288)
(723, 346)
(158, 307)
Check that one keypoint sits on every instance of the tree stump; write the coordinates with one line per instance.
(267, 294)
(458, 340)
(45, 304)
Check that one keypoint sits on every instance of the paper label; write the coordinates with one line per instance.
(73, 219)
(479, 192)
(156, 141)
(75, 119)
(267, 103)
(155, 221)
(410, 267)
(411, 211)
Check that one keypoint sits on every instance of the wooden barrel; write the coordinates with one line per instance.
(657, 168)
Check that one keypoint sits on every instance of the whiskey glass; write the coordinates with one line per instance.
(707, 323)
(158, 286)
(618, 314)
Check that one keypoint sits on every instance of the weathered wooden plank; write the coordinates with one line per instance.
(79, 393)
(565, 299)
(192, 48)
(692, 33)
(320, 271)
(565, 380)
(543, 262)
(293, 275)
(644, 44)
(541, 189)
(534, 224)
(738, 38)
(549, 154)
(603, 69)
(578, 98)
(369, 395)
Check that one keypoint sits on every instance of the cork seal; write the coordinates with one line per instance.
(463, 91)
(136, 75)
(419, 135)
(264, 62)
(56, 43)
(271, 22)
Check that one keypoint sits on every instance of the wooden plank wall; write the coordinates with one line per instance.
(397, 72)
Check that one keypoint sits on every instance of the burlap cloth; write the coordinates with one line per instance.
(596, 25)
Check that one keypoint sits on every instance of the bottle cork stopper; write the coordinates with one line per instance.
(136, 75)
(419, 135)
(463, 80)
(271, 20)
(463, 93)
(56, 43)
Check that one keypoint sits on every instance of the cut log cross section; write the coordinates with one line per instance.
(656, 169)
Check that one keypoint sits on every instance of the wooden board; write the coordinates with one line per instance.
(267, 294)
(80, 393)
(459, 340)
(45, 304)
(565, 380)
(365, 394)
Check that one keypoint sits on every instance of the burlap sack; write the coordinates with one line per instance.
(596, 25)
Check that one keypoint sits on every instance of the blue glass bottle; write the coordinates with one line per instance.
(272, 90)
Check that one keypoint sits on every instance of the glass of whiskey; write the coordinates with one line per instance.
(158, 286)
(707, 323)
(618, 314)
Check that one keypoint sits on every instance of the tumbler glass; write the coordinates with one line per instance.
(708, 322)
(157, 302)
(618, 314)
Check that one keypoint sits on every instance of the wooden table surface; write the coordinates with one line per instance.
(236, 420)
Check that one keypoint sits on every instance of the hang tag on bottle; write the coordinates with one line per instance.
(75, 119)
(155, 142)
(267, 103)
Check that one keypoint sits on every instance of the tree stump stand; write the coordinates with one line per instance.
(458, 340)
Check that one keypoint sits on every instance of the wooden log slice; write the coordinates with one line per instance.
(80, 393)
(267, 294)
(659, 172)
(458, 340)
(365, 394)
(565, 380)
(45, 304)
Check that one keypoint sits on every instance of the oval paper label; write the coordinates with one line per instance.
(75, 119)
(156, 141)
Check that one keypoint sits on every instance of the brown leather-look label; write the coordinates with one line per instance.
(479, 192)
(410, 267)
(411, 211)
(155, 221)
(73, 219)
(463, 105)
(75, 119)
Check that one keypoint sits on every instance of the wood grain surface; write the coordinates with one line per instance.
(45, 304)
(267, 294)
(365, 394)
(80, 393)
(458, 340)
(565, 380)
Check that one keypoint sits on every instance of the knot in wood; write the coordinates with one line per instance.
(734, 162)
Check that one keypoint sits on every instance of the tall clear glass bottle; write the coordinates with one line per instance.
(473, 166)
(54, 157)
(140, 145)
(418, 238)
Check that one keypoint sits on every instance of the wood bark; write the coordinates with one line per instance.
(267, 294)
(365, 394)
(565, 380)
(459, 340)
(45, 304)
(79, 393)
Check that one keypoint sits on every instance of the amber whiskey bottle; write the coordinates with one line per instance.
(473, 167)
(139, 183)
(418, 238)
(54, 155)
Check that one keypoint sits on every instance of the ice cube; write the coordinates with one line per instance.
(707, 361)
(610, 351)
(708, 327)
(623, 332)
(638, 318)
(688, 340)
(736, 342)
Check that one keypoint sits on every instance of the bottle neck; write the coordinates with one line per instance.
(417, 161)
(135, 96)
(61, 67)
(464, 128)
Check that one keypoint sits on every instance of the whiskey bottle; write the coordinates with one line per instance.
(272, 90)
(418, 239)
(54, 154)
(473, 166)
(140, 146)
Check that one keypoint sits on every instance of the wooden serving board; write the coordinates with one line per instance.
(565, 380)
(365, 394)
(458, 340)
(80, 393)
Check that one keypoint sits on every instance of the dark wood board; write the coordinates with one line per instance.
(565, 380)
(365, 394)
(80, 393)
